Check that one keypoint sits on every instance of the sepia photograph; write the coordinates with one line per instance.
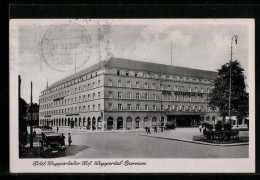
(132, 95)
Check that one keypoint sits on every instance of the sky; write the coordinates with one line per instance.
(199, 44)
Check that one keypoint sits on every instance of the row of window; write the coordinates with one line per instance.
(154, 107)
(162, 86)
(71, 100)
(70, 92)
(71, 110)
(83, 78)
(159, 76)
(128, 108)
(129, 95)
(155, 97)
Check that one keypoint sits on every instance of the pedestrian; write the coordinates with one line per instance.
(149, 130)
(62, 139)
(200, 127)
(69, 139)
(146, 129)
(161, 128)
(155, 129)
(57, 128)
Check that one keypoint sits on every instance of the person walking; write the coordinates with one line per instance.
(57, 128)
(155, 129)
(62, 139)
(149, 130)
(69, 139)
(200, 127)
(146, 129)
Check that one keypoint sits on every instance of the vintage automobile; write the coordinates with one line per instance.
(52, 144)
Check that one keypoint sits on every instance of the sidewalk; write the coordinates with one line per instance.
(186, 135)
(66, 129)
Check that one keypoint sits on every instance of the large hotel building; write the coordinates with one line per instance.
(126, 94)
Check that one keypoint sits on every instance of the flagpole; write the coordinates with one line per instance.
(171, 52)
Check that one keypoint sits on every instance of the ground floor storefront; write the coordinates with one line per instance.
(185, 120)
(131, 121)
(125, 120)
(88, 121)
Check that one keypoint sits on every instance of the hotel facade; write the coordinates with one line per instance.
(126, 94)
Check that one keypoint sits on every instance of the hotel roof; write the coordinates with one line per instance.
(142, 66)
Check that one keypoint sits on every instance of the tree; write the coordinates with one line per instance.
(22, 108)
(219, 97)
(22, 121)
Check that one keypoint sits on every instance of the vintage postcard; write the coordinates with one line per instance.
(132, 95)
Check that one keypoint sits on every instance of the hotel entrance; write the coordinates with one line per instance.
(184, 120)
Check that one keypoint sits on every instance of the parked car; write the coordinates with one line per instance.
(51, 144)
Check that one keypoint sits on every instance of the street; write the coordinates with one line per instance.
(128, 144)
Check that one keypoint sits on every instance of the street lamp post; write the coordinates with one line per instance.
(235, 37)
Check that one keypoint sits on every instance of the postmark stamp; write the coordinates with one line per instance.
(65, 47)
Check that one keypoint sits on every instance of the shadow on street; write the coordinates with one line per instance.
(75, 149)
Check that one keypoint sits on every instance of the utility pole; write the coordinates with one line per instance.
(31, 126)
(230, 78)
